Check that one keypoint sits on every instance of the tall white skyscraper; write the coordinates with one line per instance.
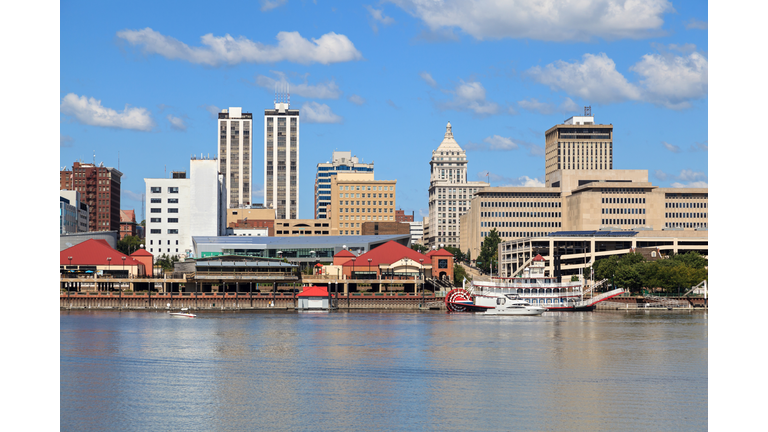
(281, 158)
(449, 191)
(235, 155)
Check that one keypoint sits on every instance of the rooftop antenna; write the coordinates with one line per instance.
(289, 94)
(588, 111)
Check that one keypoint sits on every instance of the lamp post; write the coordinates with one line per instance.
(421, 270)
(70, 261)
(109, 264)
(353, 267)
(123, 258)
(369, 266)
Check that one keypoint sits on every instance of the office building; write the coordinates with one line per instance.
(358, 198)
(281, 159)
(128, 224)
(449, 192)
(578, 144)
(400, 216)
(341, 162)
(180, 207)
(99, 188)
(236, 155)
(75, 199)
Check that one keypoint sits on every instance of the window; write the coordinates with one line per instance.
(173, 220)
(155, 189)
(175, 201)
(173, 210)
(153, 220)
(154, 231)
(173, 189)
(172, 231)
(156, 201)
(155, 210)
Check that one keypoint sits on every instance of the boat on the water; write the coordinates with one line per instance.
(508, 304)
(184, 313)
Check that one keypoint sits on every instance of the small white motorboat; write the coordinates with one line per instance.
(184, 313)
(512, 304)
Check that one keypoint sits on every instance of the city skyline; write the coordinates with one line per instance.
(382, 81)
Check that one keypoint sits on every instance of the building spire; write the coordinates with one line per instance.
(448, 132)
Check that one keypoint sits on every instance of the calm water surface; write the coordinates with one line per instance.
(644, 371)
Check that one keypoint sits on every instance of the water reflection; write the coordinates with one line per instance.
(389, 371)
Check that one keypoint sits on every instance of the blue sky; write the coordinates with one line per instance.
(382, 80)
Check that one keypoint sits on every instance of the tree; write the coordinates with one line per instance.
(458, 256)
(166, 262)
(459, 273)
(489, 252)
(419, 248)
(691, 259)
(129, 244)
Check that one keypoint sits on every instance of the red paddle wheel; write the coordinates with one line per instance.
(457, 295)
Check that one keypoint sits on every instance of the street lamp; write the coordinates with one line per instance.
(353, 267)
(421, 270)
(123, 263)
(109, 264)
(369, 267)
(70, 261)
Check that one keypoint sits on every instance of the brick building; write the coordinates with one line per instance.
(400, 216)
(385, 228)
(128, 225)
(99, 187)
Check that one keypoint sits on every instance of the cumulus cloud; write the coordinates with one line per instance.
(65, 141)
(355, 99)
(500, 143)
(428, 79)
(700, 146)
(219, 50)
(500, 180)
(176, 123)
(258, 193)
(667, 79)
(470, 96)
(213, 110)
(549, 21)
(324, 90)
(392, 104)
(686, 178)
(378, 17)
(268, 5)
(90, 111)
(313, 112)
(546, 108)
(671, 147)
(693, 23)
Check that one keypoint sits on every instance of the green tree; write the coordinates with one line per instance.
(419, 248)
(459, 273)
(489, 252)
(129, 244)
(628, 276)
(458, 255)
(166, 262)
(691, 259)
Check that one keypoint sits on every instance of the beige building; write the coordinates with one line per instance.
(302, 227)
(236, 155)
(449, 192)
(578, 144)
(281, 158)
(584, 199)
(358, 198)
(244, 214)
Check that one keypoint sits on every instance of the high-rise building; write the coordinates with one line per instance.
(449, 192)
(281, 158)
(578, 145)
(342, 162)
(358, 198)
(99, 188)
(75, 199)
(236, 154)
(182, 207)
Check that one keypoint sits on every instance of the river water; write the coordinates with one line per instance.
(591, 371)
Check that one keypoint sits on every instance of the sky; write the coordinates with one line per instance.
(141, 82)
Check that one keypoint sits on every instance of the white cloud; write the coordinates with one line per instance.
(543, 20)
(428, 79)
(177, 123)
(700, 146)
(218, 50)
(500, 143)
(671, 80)
(696, 184)
(568, 105)
(90, 111)
(671, 147)
(499, 180)
(546, 108)
(133, 196)
(355, 99)
(693, 23)
(326, 90)
(690, 175)
(313, 112)
(378, 16)
(470, 96)
(594, 79)
(392, 104)
(258, 193)
(661, 175)
(268, 5)
(65, 140)
(666, 79)
(212, 110)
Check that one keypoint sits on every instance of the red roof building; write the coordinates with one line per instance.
(314, 291)
(392, 260)
(98, 255)
(342, 257)
(127, 223)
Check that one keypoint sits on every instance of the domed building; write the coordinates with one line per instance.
(449, 192)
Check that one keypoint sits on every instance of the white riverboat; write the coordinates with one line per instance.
(508, 304)
(535, 288)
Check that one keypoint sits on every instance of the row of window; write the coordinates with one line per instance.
(685, 225)
(158, 220)
(623, 200)
(516, 234)
(159, 250)
(362, 210)
(158, 189)
(521, 214)
(685, 205)
(623, 221)
(684, 215)
(526, 224)
(159, 210)
(346, 188)
(623, 211)
(545, 204)
(158, 231)
(160, 242)
(160, 200)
